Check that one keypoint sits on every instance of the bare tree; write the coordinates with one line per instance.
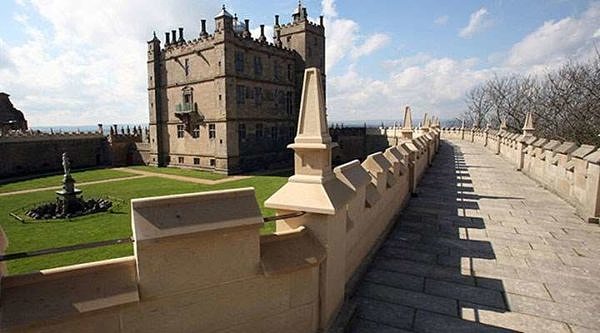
(565, 102)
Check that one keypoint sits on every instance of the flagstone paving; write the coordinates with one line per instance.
(482, 248)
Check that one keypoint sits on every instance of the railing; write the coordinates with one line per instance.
(83, 246)
(184, 107)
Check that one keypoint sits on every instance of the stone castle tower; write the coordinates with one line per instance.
(228, 101)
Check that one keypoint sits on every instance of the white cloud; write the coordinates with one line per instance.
(428, 84)
(438, 84)
(328, 8)
(371, 44)
(268, 32)
(344, 38)
(87, 68)
(555, 42)
(441, 20)
(478, 21)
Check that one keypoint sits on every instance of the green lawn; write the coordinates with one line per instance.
(181, 172)
(79, 176)
(102, 226)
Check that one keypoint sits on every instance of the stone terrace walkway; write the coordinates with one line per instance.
(482, 248)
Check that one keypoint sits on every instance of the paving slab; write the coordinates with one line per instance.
(483, 248)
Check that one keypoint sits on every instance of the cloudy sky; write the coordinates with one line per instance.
(70, 62)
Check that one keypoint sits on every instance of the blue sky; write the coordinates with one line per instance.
(78, 63)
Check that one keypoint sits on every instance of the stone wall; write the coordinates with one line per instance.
(201, 265)
(572, 171)
(31, 153)
(28, 153)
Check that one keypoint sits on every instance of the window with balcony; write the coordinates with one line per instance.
(212, 131)
(180, 131)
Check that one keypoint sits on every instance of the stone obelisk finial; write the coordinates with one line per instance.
(407, 130)
(425, 127)
(313, 187)
(528, 128)
(503, 126)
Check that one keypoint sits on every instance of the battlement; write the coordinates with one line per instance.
(200, 257)
(570, 170)
(18, 136)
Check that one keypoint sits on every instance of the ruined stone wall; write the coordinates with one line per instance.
(572, 171)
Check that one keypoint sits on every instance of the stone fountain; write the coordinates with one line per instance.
(69, 201)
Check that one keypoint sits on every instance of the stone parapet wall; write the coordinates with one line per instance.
(570, 170)
(201, 265)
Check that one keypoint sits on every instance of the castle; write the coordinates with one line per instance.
(226, 101)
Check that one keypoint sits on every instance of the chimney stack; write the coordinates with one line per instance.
(203, 32)
(278, 39)
(100, 129)
(262, 37)
(167, 39)
(321, 20)
(174, 36)
(276, 20)
(304, 13)
(246, 33)
(181, 35)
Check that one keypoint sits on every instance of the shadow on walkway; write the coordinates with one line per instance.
(421, 278)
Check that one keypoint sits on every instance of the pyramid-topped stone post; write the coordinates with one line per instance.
(528, 128)
(425, 127)
(313, 187)
(407, 130)
(503, 126)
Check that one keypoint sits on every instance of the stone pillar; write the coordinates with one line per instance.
(462, 130)
(407, 131)
(314, 189)
(593, 187)
(485, 135)
(473, 133)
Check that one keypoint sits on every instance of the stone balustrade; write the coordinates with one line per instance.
(571, 171)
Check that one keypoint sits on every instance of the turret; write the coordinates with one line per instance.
(305, 37)
(223, 21)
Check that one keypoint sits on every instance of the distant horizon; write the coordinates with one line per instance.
(106, 127)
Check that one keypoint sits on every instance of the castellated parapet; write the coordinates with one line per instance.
(228, 101)
(570, 170)
(201, 265)
(32, 152)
